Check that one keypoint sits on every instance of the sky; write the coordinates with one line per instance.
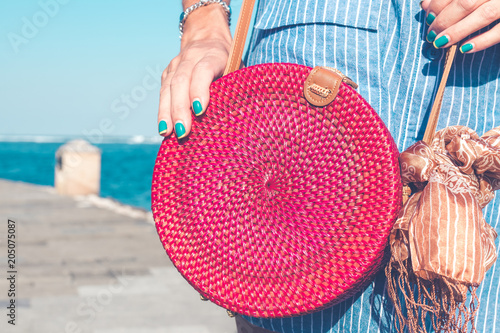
(85, 68)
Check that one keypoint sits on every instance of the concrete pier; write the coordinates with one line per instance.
(78, 168)
(89, 268)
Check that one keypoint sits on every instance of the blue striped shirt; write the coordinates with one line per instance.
(381, 46)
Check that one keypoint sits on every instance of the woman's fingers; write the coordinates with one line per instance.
(204, 73)
(453, 13)
(450, 21)
(180, 107)
(433, 8)
(478, 19)
(165, 125)
(483, 41)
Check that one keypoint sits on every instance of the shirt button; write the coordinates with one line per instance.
(430, 52)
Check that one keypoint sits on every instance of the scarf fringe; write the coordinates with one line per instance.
(418, 301)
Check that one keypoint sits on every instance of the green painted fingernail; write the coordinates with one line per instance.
(180, 130)
(197, 108)
(466, 47)
(162, 127)
(430, 18)
(431, 36)
(441, 41)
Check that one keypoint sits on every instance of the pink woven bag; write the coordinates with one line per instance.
(274, 207)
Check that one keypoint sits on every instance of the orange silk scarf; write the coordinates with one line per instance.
(440, 244)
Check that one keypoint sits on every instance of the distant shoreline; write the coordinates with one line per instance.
(126, 168)
(135, 139)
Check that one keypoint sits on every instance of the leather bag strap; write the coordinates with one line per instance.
(436, 106)
(240, 36)
(238, 45)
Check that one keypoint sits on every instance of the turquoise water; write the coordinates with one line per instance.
(126, 169)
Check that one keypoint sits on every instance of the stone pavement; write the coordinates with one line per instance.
(85, 267)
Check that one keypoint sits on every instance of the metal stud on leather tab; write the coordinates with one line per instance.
(322, 85)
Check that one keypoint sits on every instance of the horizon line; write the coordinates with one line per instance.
(105, 139)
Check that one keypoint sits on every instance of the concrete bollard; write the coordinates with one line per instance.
(78, 168)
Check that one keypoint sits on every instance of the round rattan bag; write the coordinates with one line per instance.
(272, 207)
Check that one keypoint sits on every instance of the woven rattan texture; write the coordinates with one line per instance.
(272, 207)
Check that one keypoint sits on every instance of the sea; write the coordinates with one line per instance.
(126, 166)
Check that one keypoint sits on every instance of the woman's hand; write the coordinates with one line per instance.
(453, 20)
(185, 82)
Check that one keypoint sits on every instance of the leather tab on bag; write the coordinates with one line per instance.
(322, 86)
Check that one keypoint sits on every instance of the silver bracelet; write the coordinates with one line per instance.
(199, 4)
